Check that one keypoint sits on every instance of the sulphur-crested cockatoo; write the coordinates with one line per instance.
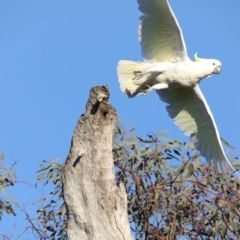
(168, 69)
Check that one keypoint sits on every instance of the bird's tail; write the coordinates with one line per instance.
(127, 71)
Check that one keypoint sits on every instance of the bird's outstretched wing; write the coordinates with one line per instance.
(159, 33)
(191, 113)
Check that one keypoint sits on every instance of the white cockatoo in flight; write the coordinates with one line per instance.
(168, 69)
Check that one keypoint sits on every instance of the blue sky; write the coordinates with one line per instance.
(53, 52)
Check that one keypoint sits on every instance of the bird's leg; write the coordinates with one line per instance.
(156, 87)
(159, 86)
(140, 77)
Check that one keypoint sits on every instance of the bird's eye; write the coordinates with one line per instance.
(213, 63)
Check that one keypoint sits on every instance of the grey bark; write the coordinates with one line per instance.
(97, 208)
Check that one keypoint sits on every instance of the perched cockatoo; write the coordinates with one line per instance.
(168, 69)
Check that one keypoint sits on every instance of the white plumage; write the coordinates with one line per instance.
(168, 69)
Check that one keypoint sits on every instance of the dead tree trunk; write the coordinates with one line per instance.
(97, 209)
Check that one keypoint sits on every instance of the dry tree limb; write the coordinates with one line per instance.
(96, 207)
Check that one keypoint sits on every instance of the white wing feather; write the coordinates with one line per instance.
(191, 113)
(162, 40)
(159, 33)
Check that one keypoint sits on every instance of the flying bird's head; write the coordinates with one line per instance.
(217, 66)
(214, 65)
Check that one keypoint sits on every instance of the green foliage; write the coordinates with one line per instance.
(7, 179)
(51, 220)
(171, 193)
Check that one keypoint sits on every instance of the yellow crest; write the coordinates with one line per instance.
(197, 59)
